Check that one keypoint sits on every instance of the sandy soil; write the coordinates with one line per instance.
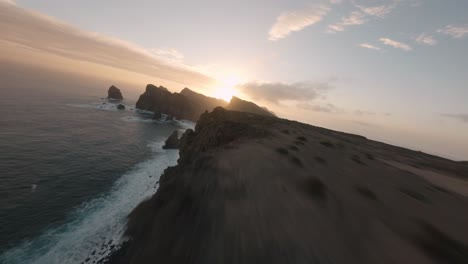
(444, 180)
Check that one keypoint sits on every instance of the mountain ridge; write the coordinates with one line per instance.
(189, 104)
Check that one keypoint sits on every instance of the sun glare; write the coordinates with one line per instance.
(227, 90)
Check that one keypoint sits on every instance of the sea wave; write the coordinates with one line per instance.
(96, 228)
(102, 106)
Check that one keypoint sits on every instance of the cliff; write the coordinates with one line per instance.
(237, 104)
(189, 104)
(257, 189)
(159, 99)
(184, 105)
(208, 103)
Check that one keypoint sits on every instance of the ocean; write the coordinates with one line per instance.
(72, 167)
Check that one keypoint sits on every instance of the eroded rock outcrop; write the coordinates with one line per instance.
(114, 93)
(172, 141)
(185, 105)
(240, 105)
(189, 104)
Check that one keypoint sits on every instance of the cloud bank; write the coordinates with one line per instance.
(277, 92)
(23, 29)
(322, 108)
(297, 20)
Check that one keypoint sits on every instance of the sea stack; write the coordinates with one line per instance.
(172, 141)
(114, 93)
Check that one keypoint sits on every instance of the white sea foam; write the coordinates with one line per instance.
(101, 105)
(138, 119)
(185, 124)
(97, 226)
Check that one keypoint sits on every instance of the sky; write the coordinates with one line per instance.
(392, 70)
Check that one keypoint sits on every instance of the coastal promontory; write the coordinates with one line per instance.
(251, 188)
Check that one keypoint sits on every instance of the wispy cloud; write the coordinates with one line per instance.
(460, 117)
(47, 36)
(379, 11)
(364, 112)
(276, 92)
(322, 108)
(426, 39)
(355, 18)
(368, 46)
(171, 54)
(395, 44)
(364, 14)
(297, 20)
(366, 124)
(455, 31)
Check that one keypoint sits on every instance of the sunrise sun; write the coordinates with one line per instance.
(226, 89)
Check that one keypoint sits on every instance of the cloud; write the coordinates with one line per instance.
(460, 117)
(426, 39)
(395, 44)
(378, 11)
(363, 112)
(366, 124)
(355, 18)
(297, 20)
(276, 92)
(327, 108)
(335, 2)
(168, 54)
(12, 2)
(24, 29)
(368, 46)
(363, 15)
(455, 31)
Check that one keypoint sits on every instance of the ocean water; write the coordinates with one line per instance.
(72, 167)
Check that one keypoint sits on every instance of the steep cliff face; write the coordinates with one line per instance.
(184, 105)
(209, 103)
(258, 189)
(238, 104)
(159, 99)
(189, 104)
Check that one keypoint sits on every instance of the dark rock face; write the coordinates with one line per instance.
(202, 101)
(172, 141)
(189, 104)
(240, 105)
(185, 105)
(121, 107)
(114, 93)
(157, 115)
